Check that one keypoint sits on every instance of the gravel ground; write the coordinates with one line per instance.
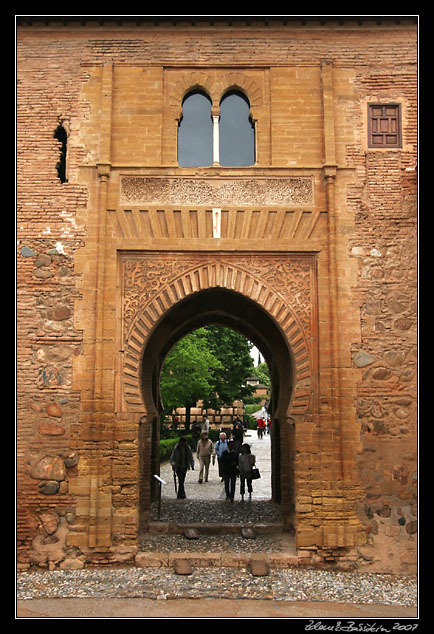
(204, 504)
(217, 544)
(194, 511)
(279, 585)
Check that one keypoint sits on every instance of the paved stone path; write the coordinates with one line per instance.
(214, 489)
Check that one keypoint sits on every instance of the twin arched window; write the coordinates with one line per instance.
(227, 139)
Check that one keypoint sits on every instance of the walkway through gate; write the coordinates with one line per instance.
(206, 502)
(268, 298)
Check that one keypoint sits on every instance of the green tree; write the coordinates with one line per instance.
(189, 373)
(232, 349)
(210, 364)
(263, 373)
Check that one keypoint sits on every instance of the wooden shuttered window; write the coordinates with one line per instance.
(384, 125)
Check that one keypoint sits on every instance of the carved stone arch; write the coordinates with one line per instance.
(239, 81)
(196, 80)
(169, 286)
(199, 80)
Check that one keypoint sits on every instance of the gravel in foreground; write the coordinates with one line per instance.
(222, 583)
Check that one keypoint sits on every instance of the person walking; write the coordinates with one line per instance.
(246, 460)
(204, 426)
(261, 426)
(237, 436)
(230, 470)
(195, 434)
(204, 451)
(181, 460)
(220, 446)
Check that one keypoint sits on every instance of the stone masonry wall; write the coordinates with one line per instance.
(59, 72)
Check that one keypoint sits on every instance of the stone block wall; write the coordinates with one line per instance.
(116, 90)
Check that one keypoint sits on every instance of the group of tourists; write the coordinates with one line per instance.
(234, 459)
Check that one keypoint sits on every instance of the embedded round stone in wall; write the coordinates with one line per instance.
(48, 468)
(402, 323)
(406, 375)
(58, 354)
(59, 313)
(400, 412)
(398, 304)
(411, 527)
(380, 427)
(42, 260)
(63, 271)
(381, 373)
(394, 359)
(27, 252)
(71, 460)
(363, 359)
(49, 487)
(377, 411)
(50, 521)
(53, 409)
(42, 273)
(53, 327)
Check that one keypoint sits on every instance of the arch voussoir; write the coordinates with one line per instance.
(204, 276)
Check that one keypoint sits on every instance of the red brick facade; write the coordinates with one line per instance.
(316, 243)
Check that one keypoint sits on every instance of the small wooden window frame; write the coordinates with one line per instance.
(384, 125)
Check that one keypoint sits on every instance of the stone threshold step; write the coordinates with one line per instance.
(260, 561)
(215, 528)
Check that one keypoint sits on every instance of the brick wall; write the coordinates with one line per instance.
(60, 76)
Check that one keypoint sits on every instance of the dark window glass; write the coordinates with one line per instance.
(237, 134)
(195, 131)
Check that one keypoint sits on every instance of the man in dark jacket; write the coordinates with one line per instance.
(229, 463)
(181, 460)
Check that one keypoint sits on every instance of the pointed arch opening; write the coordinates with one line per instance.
(195, 131)
(236, 130)
(232, 310)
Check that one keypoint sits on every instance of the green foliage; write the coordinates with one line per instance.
(167, 445)
(189, 371)
(263, 373)
(251, 421)
(251, 409)
(209, 364)
(232, 349)
(253, 400)
(214, 434)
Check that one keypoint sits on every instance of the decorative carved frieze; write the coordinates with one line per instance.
(143, 190)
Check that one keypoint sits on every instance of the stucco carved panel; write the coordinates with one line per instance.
(141, 190)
